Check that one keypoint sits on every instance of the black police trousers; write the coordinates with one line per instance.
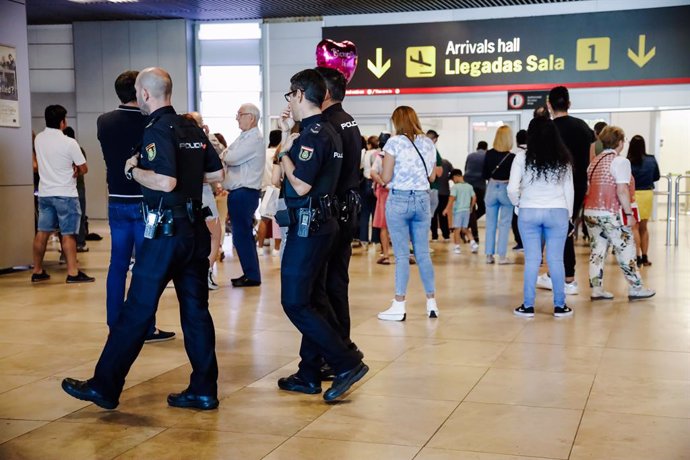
(338, 279)
(182, 258)
(303, 266)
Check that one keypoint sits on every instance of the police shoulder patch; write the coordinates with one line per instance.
(305, 153)
(151, 151)
(316, 128)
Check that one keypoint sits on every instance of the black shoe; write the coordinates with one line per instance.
(189, 400)
(560, 312)
(80, 277)
(93, 237)
(344, 381)
(246, 282)
(644, 260)
(234, 280)
(327, 373)
(83, 248)
(80, 389)
(527, 312)
(38, 277)
(159, 336)
(639, 261)
(295, 383)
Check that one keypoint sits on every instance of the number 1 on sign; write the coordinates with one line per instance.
(593, 53)
(592, 50)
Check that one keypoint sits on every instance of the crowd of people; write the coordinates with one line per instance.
(322, 189)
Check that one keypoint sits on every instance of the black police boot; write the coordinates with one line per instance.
(80, 389)
(295, 383)
(344, 381)
(189, 400)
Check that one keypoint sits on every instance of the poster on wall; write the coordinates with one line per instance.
(9, 100)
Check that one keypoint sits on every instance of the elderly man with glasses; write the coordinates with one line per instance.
(245, 162)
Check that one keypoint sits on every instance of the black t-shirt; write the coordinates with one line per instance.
(347, 129)
(318, 160)
(119, 132)
(578, 137)
(492, 159)
(176, 147)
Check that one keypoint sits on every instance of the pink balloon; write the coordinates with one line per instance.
(341, 56)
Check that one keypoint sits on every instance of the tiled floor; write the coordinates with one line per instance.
(612, 382)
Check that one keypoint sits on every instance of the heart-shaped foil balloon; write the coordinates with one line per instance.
(341, 56)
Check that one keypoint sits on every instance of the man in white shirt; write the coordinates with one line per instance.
(60, 161)
(245, 161)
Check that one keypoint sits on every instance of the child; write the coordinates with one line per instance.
(462, 200)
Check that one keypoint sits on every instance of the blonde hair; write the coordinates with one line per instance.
(503, 141)
(406, 122)
(611, 136)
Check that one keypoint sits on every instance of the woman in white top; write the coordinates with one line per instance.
(408, 166)
(541, 189)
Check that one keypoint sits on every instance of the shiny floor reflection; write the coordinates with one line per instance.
(611, 382)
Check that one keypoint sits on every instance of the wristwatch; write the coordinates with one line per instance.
(282, 154)
(128, 173)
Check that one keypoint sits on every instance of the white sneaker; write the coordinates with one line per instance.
(571, 288)
(395, 313)
(544, 282)
(275, 252)
(640, 293)
(431, 308)
(211, 283)
(474, 246)
(489, 259)
(598, 293)
(504, 261)
(456, 249)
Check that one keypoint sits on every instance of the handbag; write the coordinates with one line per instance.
(269, 203)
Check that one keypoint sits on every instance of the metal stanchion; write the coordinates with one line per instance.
(669, 200)
(678, 194)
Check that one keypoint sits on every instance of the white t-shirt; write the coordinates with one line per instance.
(409, 172)
(526, 191)
(367, 162)
(56, 153)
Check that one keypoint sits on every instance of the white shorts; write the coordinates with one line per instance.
(208, 200)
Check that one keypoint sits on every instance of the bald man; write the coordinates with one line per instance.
(245, 161)
(174, 161)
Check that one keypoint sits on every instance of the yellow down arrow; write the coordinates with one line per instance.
(641, 58)
(379, 68)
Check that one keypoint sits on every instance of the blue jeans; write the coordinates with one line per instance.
(407, 216)
(499, 213)
(126, 234)
(551, 224)
(242, 204)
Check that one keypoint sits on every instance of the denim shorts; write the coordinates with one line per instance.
(461, 219)
(59, 213)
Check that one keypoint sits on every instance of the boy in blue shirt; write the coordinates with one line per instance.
(461, 202)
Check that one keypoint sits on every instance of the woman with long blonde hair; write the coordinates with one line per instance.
(499, 209)
(408, 166)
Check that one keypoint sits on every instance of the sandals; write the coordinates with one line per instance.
(383, 261)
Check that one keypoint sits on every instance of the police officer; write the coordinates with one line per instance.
(175, 159)
(311, 162)
(347, 194)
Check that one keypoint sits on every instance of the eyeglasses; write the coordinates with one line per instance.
(289, 95)
(239, 114)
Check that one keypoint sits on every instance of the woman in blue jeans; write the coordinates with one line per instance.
(541, 188)
(499, 209)
(408, 166)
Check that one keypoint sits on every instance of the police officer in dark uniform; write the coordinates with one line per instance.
(175, 158)
(311, 162)
(347, 195)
